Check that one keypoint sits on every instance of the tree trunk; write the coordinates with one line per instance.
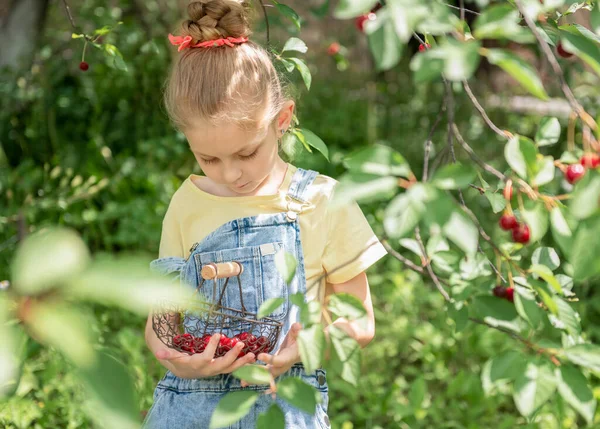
(21, 23)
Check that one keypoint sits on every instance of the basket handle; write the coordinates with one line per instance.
(224, 269)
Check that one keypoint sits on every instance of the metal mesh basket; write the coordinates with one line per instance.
(189, 330)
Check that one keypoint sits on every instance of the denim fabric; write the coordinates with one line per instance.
(252, 241)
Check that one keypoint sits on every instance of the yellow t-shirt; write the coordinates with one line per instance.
(330, 236)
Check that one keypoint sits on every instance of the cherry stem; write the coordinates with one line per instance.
(84, 48)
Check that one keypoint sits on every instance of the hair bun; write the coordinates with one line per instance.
(215, 19)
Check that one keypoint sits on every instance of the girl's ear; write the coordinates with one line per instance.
(286, 115)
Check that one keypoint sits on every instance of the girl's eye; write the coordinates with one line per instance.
(212, 161)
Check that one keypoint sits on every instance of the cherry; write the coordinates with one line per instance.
(510, 292)
(560, 49)
(521, 233)
(574, 173)
(499, 291)
(224, 345)
(84, 66)
(590, 160)
(360, 21)
(424, 47)
(508, 222)
(262, 344)
(333, 49)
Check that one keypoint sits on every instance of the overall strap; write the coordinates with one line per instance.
(297, 193)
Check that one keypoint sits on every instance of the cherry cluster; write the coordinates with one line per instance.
(252, 344)
(506, 293)
(574, 172)
(360, 21)
(520, 231)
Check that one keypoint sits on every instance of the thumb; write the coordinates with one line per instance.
(163, 354)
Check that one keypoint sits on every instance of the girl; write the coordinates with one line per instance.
(225, 95)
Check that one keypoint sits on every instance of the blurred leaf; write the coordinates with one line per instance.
(112, 389)
(254, 374)
(273, 418)
(232, 408)
(519, 69)
(578, 44)
(9, 356)
(567, 315)
(352, 8)
(456, 60)
(269, 306)
(586, 355)
(47, 259)
(545, 295)
(561, 231)
(363, 187)
(402, 215)
(585, 199)
(595, 21)
(316, 142)
(497, 201)
(536, 217)
(545, 171)
(377, 159)
(497, 312)
(585, 254)
(527, 306)
(506, 366)
(545, 273)
(304, 71)
(454, 176)
(113, 52)
(312, 343)
(521, 155)
(297, 393)
(573, 387)
(286, 265)
(347, 306)
(384, 43)
(289, 12)
(346, 357)
(294, 44)
(533, 387)
(501, 22)
(546, 256)
(548, 131)
(416, 396)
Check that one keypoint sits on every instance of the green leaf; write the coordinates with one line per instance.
(586, 355)
(312, 343)
(289, 65)
(546, 256)
(289, 12)
(363, 187)
(545, 273)
(346, 305)
(568, 316)
(585, 199)
(585, 254)
(286, 265)
(577, 43)
(573, 387)
(315, 141)
(48, 259)
(545, 171)
(345, 357)
(545, 295)
(595, 18)
(536, 216)
(269, 306)
(519, 69)
(273, 418)
(111, 387)
(102, 31)
(561, 230)
(352, 8)
(521, 155)
(232, 408)
(377, 159)
(501, 22)
(548, 132)
(294, 44)
(497, 312)
(254, 374)
(527, 306)
(454, 176)
(497, 201)
(9, 356)
(460, 315)
(113, 52)
(297, 393)
(506, 366)
(456, 60)
(384, 43)
(416, 396)
(406, 15)
(76, 36)
(304, 71)
(533, 387)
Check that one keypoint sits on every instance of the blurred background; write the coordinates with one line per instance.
(93, 150)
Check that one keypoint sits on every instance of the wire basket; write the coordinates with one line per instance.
(189, 330)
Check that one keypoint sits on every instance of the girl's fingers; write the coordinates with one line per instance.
(231, 355)
(211, 347)
(245, 360)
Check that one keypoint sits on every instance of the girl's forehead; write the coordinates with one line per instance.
(224, 138)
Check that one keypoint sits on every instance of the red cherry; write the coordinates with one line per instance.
(84, 66)
(508, 222)
(424, 47)
(574, 173)
(499, 291)
(590, 160)
(360, 21)
(224, 345)
(521, 233)
(510, 294)
(243, 336)
(333, 49)
(560, 49)
(261, 345)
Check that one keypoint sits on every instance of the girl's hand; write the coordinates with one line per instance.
(203, 364)
(286, 357)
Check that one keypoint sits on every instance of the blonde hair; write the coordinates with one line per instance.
(239, 84)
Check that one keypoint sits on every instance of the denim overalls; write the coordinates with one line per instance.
(252, 241)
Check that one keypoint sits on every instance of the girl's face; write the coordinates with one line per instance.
(242, 161)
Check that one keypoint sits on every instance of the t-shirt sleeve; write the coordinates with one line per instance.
(170, 238)
(349, 238)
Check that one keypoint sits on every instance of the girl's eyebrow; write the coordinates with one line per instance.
(252, 146)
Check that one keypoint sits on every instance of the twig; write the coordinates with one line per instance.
(435, 279)
(585, 117)
(465, 10)
(462, 10)
(474, 156)
(69, 14)
(428, 142)
(482, 112)
(264, 9)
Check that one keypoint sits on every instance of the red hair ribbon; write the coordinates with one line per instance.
(186, 42)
